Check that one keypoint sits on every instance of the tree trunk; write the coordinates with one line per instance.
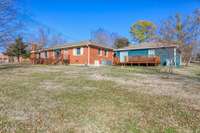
(188, 61)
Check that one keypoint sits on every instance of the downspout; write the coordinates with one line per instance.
(88, 59)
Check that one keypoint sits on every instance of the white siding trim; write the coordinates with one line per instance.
(82, 50)
(74, 51)
(175, 57)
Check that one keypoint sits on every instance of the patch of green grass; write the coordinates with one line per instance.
(170, 130)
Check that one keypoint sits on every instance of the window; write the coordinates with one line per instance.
(106, 52)
(57, 53)
(46, 54)
(99, 52)
(151, 52)
(78, 51)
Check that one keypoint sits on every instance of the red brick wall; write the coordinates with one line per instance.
(83, 59)
(95, 56)
(50, 54)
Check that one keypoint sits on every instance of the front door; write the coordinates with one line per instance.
(96, 63)
(123, 55)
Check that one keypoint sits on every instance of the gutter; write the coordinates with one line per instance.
(145, 48)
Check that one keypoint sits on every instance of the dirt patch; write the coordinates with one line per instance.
(51, 85)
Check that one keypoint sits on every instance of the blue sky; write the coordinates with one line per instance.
(77, 18)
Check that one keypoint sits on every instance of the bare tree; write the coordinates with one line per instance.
(47, 38)
(184, 31)
(57, 39)
(9, 20)
(43, 37)
(104, 37)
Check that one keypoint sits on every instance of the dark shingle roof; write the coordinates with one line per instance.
(148, 45)
(78, 44)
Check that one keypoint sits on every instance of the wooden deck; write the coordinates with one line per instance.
(138, 60)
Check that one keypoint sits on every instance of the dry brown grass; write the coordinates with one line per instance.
(98, 100)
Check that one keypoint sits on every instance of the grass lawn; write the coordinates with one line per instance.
(76, 99)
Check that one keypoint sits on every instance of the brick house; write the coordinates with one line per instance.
(82, 53)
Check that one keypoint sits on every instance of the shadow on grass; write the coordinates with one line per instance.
(13, 66)
(162, 71)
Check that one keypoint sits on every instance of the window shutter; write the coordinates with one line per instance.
(82, 51)
(74, 51)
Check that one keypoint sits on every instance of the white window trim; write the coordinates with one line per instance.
(175, 54)
(75, 51)
(82, 51)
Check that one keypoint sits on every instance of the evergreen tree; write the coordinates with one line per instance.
(17, 49)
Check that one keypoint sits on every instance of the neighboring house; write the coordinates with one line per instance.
(82, 53)
(4, 59)
(167, 54)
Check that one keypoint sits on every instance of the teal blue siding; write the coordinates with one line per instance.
(165, 54)
(117, 53)
(142, 52)
(168, 54)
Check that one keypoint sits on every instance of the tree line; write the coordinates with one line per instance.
(184, 31)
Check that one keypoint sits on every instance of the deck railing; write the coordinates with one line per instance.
(138, 60)
(58, 60)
